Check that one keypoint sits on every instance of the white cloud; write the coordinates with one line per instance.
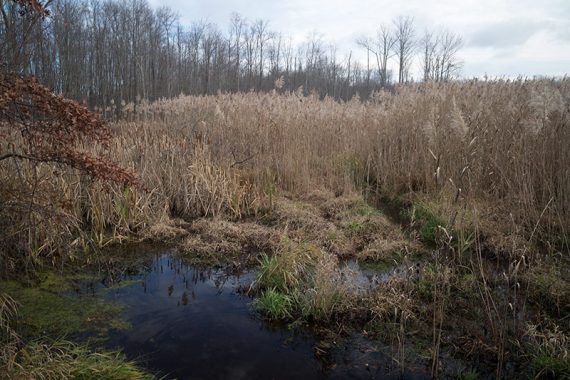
(503, 37)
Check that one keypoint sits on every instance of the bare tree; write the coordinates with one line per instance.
(313, 52)
(404, 46)
(288, 60)
(275, 55)
(428, 49)
(382, 48)
(385, 42)
(334, 71)
(449, 45)
(18, 21)
(238, 23)
(109, 53)
(262, 36)
(209, 46)
(440, 62)
(367, 44)
(166, 20)
(348, 74)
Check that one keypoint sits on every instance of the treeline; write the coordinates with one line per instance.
(112, 52)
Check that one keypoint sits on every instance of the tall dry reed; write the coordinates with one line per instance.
(502, 144)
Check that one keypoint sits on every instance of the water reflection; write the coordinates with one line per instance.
(190, 323)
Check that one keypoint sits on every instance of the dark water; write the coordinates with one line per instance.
(192, 323)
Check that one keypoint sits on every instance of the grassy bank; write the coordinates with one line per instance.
(40, 326)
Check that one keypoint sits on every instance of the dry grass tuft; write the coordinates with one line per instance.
(216, 236)
(167, 231)
(302, 222)
(383, 248)
(330, 290)
(390, 299)
(337, 208)
(312, 281)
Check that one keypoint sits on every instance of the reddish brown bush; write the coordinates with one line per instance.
(52, 129)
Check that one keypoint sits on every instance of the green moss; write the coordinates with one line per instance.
(393, 201)
(422, 346)
(333, 236)
(429, 228)
(61, 282)
(375, 329)
(359, 207)
(425, 289)
(351, 208)
(43, 312)
(47, 312)
(290, 284)
(359, 217)
(466, 292)
(53, 282)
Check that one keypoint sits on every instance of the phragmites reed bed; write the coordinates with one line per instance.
(500, 145)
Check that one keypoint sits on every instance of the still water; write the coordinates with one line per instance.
(195, 323)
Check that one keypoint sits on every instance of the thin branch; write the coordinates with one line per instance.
(16, 155)
(242, 161)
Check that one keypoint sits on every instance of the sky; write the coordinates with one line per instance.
(502, 38)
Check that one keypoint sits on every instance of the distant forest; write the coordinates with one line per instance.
(115, 52)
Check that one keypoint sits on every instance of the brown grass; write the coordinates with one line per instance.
(225, 239)
(285, 174)
(501, 144)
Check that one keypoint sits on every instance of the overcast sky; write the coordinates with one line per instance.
(501, 37)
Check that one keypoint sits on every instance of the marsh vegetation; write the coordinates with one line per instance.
(461, 187)
(421, 231)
